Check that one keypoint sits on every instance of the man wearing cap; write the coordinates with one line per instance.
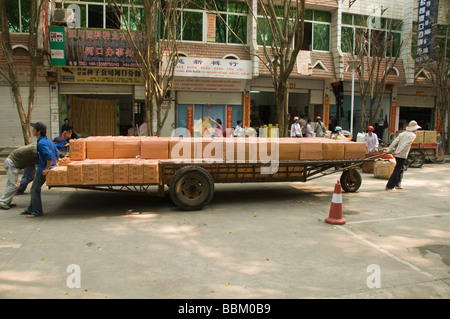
(320, 128)
(20, 158)
(401, 147)
(371, 140)
(47, 157)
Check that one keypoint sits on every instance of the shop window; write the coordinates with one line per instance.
(321, 37)
(18, 14)
(193, 26)
(347, 39)
(231, 24)
(95, 16)
(385, 33)
(307, 36)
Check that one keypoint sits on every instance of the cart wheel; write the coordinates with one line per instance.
(351, 180)
(191, 188)
(416, 158)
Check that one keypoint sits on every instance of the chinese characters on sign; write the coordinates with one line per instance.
(213, 68)
(72, 74)
(427, 18)
(100, 47)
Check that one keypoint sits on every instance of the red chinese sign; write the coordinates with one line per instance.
(326, 111)
(229, 116)
(246, 113)
(101, 48)
(393, 116)
(190, 118)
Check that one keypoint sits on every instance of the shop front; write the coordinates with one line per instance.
(417, 104)
(211, 89)
(97, 76)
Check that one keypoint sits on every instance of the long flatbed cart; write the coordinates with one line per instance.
(420, 152)
(191, 184)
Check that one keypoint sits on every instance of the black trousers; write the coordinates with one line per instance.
(397, 175)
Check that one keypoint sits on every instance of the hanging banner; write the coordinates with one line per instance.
(190, 118)
(426, 28)
(438, 122)
(229, 116)
(211, 27)
(393, 116)
(326, 111)
(246, 111)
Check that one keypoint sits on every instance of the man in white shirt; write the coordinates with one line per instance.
(401, 147)
(239, 131)
(296, 130)
(371, 140)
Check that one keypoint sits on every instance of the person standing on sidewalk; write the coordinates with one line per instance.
(48, 154)
(402, 145)
(21, 158)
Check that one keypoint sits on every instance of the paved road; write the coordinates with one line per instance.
(253, 241)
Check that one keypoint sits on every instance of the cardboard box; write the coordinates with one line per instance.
(241, 150)
(135, 172)
(209, 149)
(77, 149)
(127, 148)
(151, 172)
(57, 176)
(154, 148)
(310, 149)
(333, 150)
(354, 150)
(90, 172)
(101, 148)
(419, 137)
(120, 168)
(106, 172)
(383, 168)
(75, 173)
(181, 148)
(289, 149)
(429, 137)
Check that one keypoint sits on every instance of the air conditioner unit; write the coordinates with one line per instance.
(63, 16)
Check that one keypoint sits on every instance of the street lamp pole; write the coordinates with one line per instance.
(353, 64)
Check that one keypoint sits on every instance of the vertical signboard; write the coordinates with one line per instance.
(229, 116)
(190, 118)
(393, 116)
(326, 111)
(211, 27)
(57, 46)
(246, 115)
(426, 22)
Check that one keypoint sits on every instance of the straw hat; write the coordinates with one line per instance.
(413, 126)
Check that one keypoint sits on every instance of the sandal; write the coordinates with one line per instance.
(33, 216)
(25, 212)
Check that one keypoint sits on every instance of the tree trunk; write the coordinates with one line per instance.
(282, 97)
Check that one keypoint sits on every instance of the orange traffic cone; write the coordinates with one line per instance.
(336, 217)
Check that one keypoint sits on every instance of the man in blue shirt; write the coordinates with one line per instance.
(48, 154)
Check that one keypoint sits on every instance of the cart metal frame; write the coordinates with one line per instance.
(191, 183)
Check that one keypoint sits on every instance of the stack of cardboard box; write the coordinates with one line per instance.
(108, 160)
